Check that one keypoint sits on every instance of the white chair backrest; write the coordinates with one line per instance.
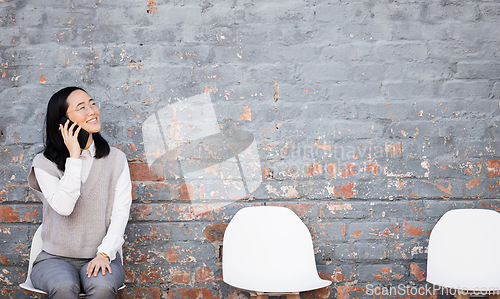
(464, 250)
(36, 248)
(269, 249)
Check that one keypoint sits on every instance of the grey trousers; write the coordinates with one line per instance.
(63, 277)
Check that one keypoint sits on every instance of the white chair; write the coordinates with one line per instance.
(464, 253)
(268, 251)
(36, 248)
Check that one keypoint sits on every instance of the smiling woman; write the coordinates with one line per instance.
(86, 195)
(73, 103)
(84, 110)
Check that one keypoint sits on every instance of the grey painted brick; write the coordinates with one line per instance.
(467, 70)
(17, 193)
(489, 10)
(382, 273)
(477, 89)
(410, 251)
(418, 31)
(359, 90)
(397, 51)
(476, 32)
(496, 92)
(14, 240)
(361, 251)
(398, 11)
(367, 72)
(466, 12)
(373, 230)
(418, 71)
(377, 31)
(353, 51)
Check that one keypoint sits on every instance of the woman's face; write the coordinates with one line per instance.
(83, 110)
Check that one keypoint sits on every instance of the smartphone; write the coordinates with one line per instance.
(83, 136)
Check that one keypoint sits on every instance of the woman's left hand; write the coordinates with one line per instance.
(98, 263)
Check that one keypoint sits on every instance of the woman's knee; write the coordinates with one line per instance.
(100, 289)
(57, 278)
(103, 286)
(64, 289)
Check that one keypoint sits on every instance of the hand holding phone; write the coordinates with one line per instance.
(83, 136)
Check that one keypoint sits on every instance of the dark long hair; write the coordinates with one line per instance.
(55, 149)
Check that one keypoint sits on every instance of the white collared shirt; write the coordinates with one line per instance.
(62, 195)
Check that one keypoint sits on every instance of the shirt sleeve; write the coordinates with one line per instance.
(113, 240)
(61, 194)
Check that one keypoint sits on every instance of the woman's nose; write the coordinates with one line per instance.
(90, 110)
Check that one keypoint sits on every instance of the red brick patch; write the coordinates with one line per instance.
(215, 232)
(345, 191)
(415, 231)
(7, 214)
(394, 149)
(193, 293)
(493, 167)
(417, 272)
(314, 169)
(142, 172)
(205, 274)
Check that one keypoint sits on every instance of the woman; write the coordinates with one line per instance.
(86, 195)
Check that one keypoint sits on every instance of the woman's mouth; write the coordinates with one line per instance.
(92, 121)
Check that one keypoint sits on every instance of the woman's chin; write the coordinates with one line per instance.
(93, 128)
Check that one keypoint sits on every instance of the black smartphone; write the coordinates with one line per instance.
(83, 136)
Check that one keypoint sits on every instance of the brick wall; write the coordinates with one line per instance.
(386, 117)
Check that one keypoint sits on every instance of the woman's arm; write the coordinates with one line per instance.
(113, 240)
(61, 194)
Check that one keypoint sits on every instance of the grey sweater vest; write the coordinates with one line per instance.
(79, 234)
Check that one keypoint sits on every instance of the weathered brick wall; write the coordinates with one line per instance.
(386, 117)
